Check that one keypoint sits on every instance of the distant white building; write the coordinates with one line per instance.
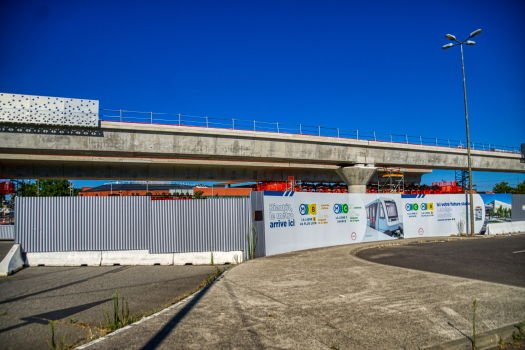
(495, 204)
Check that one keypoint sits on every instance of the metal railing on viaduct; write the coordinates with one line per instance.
(252, 125)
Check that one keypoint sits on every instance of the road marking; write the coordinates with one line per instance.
(519, 251)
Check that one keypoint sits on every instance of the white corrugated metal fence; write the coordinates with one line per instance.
(62, 224)
(7, 231)
(200, 225)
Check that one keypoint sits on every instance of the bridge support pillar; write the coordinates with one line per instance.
(356, 177)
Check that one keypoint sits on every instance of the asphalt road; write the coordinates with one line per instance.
(76, 296)
(495, 259)
(4, 248)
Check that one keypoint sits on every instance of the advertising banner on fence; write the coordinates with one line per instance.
(302, 220)
(440, 214)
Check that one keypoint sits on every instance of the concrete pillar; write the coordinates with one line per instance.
(356, 177)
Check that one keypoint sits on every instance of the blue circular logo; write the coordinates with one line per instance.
(408, 207)
(337, 208)
(423, 206)
(303, 209)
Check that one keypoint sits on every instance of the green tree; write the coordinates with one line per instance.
(502, 187)
(47, 188)
(520, 189)
(501, 213)
(198, 195)
(26, 189)
(56, 188)
(491, 212)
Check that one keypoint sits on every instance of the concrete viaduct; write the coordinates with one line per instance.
(130, 151)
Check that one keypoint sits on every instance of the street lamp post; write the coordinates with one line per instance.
(460, 43)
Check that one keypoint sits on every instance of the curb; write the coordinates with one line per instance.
(154, 315)
(401, 242)
(485, 340)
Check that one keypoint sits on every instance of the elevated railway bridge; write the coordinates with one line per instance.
(80, 145)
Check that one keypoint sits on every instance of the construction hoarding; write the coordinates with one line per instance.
(298, 220)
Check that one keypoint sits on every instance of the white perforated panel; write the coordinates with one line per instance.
(48, 110)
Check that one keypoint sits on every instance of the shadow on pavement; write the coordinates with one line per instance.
(62, 286)
(54, 315)
(463, 334)
(163, 333)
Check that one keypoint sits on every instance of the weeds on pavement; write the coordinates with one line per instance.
(252, 242)
(474, 305)
(117, 321)
(123, 319)
(519, 337)
(211, 278)
(53, 345)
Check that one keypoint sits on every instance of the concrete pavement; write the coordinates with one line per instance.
(75, 297)
(323, 298)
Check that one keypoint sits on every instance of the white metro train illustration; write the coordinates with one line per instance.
(382, 215)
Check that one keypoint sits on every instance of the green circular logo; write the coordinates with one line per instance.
(345, 208)
(415, 206)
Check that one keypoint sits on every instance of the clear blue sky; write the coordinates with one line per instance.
(365, 65)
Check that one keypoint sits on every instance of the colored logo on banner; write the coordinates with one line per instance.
(340, 208)
(354, 236)
(427, 206)
(422, 206)
(421, 231)
(410, 207)
(308, 209)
